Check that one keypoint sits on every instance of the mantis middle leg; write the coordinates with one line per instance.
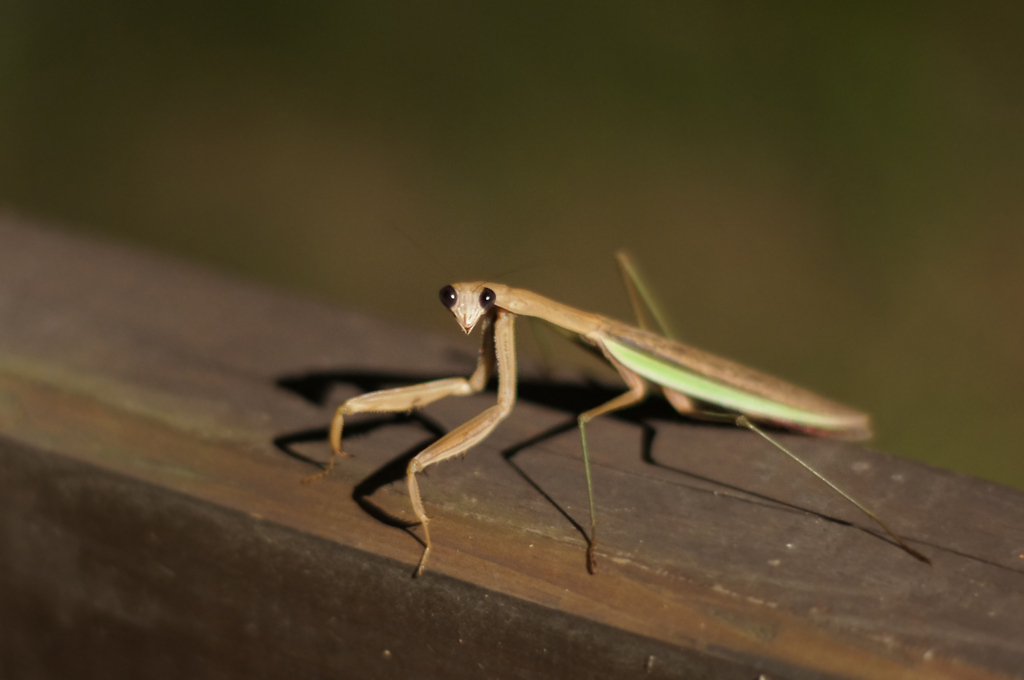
(637, 392)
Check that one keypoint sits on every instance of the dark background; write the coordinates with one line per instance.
(829, 192)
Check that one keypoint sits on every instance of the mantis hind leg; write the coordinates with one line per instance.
(637, 392)
(743, 421)
(686, 406)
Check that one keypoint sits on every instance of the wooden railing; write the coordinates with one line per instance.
(156, 418)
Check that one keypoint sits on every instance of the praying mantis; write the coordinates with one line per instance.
(696, 383)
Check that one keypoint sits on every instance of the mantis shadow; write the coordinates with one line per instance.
(570, 398)
(316, 386)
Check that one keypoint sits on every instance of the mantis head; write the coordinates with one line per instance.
(468, 302)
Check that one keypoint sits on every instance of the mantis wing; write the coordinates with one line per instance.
(731, 386)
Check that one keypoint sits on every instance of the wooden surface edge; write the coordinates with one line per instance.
(78, 394)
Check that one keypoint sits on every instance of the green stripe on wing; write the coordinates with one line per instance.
(680, 379)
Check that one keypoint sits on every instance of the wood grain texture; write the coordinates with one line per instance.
(156, 418)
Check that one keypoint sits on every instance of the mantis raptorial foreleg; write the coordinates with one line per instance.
(412, 397)
(499, 329)
(469, 434)
(637, 392)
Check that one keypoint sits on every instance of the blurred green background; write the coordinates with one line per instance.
(829, 192)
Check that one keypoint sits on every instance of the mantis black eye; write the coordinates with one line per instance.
(449, 297)
(487, 298)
